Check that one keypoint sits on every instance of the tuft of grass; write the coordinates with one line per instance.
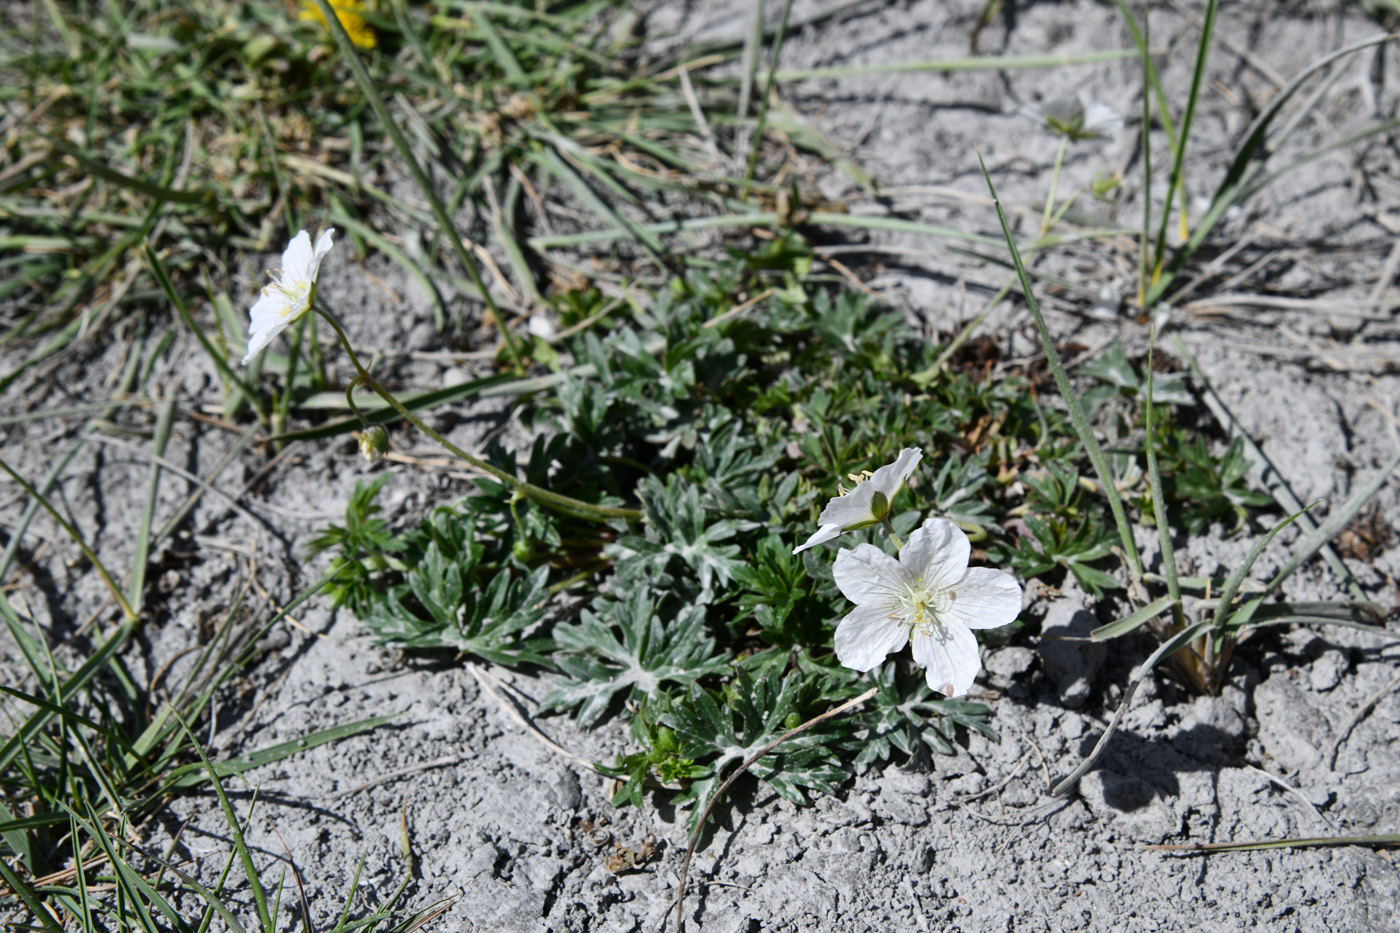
(88, 759)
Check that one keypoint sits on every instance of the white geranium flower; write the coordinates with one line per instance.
(930, 596)
(291, 292)
(868, 503)
(1072, 117)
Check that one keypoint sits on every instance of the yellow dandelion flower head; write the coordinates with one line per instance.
(348, 12)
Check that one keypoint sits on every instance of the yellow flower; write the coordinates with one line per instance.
(348, 12)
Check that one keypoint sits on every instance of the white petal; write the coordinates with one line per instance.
(869, 575)
(268, 319)
(296, 259)
(868, 634)
(949, 653)
(937, 551)
(1101, 118)
(323, 246)
(890, 477)
(850, 510)
(824, 534)
(985, 598)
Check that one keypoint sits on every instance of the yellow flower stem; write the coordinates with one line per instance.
(425, 184)
(530, 491)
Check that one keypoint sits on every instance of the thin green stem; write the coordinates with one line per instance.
(1046, 221)
(1076, 410)
(1144, 241)
(1182, 137)
(350, 401)
(1159, 502)
(894, 535)
(115, 590)
(536, 494)
(425, 184)
(763, 103)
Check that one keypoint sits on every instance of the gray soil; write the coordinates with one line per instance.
(1304, 741)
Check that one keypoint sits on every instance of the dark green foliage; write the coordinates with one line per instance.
(906, 718)
(359, 546)
(1213, 488)
(651, 651)
(730, 430)
(720, 729)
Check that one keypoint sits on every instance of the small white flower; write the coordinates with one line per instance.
(291, 292)
(1072, 117)
(930, 596)
(868, 503)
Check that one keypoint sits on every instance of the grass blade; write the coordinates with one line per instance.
(215, 357)
(1133, 622)
(1076, 411)
(351, 56)
(77, 539)
(1335, 522)
(137, 587)
(1232, 583)
(1243, 167)
(189, 775)
(1171, 645)
(250, 872)
(28, 897)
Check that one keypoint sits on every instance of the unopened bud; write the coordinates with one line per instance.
(374, 444)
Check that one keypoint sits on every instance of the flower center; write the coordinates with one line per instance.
(294, 294)
(924, 604)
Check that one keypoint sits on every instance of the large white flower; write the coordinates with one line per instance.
(929, 596)
(868, 503)
(291, 292)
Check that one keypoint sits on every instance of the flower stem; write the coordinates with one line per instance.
(1047, 222)
(534, 493)
(350, 400)
(893, 534)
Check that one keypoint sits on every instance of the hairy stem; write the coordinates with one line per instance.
(532, 492)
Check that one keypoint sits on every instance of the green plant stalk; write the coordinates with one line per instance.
(284, 401)
(764, 101)
(351, 56)
(1045, 221)
(1182, 138)
(249, 870)
(72, 532)
(1383, 839)
(1159, 501)
(1243, 167)
(981, 63)
(1149, 74)
(543, 496)
(748, 62)
(894, 535)
(1076, 411)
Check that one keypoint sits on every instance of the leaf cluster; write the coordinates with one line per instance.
(730, 431)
